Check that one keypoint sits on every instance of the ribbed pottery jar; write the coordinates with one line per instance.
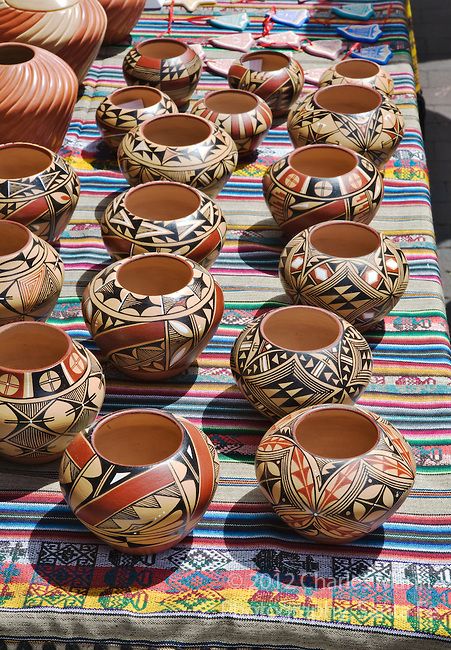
(51, 387)
(38, 91)
(140, 480)
(72, 29)
(164, 217)
(122, 16)
(152, 315)
(127, 108)
(347, 268)
(165, 63)
(31, 275)
(183, 148)
(358, 72)
(321, 182)
(295, 357)
(37, 188)
(356, 117)
(334, 473)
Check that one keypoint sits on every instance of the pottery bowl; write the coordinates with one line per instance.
(358, 72)
(122, 16)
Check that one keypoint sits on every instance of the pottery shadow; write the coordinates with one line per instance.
(86, 277)
(375, 336)
(100, 156)
(262, 258)
(17, 481)
(104, 203)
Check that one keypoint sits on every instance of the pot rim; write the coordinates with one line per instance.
(188, 116)
(347, 224)
(21, 227)
(324, 146)
(172, 256)
(354, 62)
(166, 39)
(353, 88)
(30, 145)
(227, 91)
(250, 56)
(67, 4)
(131, 190)
(118, 91)
(49, 326)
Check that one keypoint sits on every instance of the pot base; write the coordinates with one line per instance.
(151, 377)
(27, 460)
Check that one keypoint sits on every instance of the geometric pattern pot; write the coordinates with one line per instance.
(360, 73)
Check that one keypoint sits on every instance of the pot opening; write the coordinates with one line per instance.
(336, 432)
(135, 97)
(137, 438)
(176, 130)
(15, 53)
(323, 161)
(357, 69)
(348, 99)
(301, 329)
(41, 5)
(231, 101)
(345, 239)
(23, 160)
(265, 61)
(155, 274)
(162, 201)
(32, 346)
(162, 48)
(13, 237)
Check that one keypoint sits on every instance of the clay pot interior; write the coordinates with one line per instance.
(23, 160)
(154, 274)
(135, 97)
(231, 102)
(162, 48)
(32, 346)
(357, 69)
(301, 329)
(176, 130)
(336, 433)
(13, 237)
(265, 61)
(14, 53)
(323, 161)
(345, 239)
(137, 438)
(348, 99)
(162, 201)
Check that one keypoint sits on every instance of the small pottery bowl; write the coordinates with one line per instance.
(164, 63)
(152, 315)
(246, 117)
(164, 217)
(127, 108)
(122, 16)
(347, 268)
(356, 117)
(184, 148)
(334, 473)
(31, 275)
(140, 479)
(296, 357)
(358, 72)
(274, 76)
(321, 182)
(49, 189)
(51, 388)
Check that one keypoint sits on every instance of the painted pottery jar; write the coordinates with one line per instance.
(122, 16)
(183, 148)
(246, 117)
(322, 182)
(358, 72)
(152, 315)
(37, 188)
(38, 91)
(31, 275)
(72, 29)
(274, 76)
(51, 387)
(165, 63)
(296, 357)
(334, 473)
(356, 117)
(347, 268)
(164, 217)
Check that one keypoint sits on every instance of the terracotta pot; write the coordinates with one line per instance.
(334, 473)
(49, 189)
(31, 275)
(51, 388)
(184, 148)
(152, 315)
(360, 73)
(164, 217)
(246, 117)
(73, 29)
(355, 117)
(274, 76)
(296, 357)
(140, 479)
(321, 182)
(122, 16)
(165, 63)
(347, 268)
(127, 108)
(38, 91)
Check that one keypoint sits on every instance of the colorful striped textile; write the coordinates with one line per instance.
(243, 579)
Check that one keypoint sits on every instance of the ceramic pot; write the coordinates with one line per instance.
(152, 315)
(184, 148)
(164, 217)
(358, 72)
(355, 117)
(246, 117)
(51, 388)
(72, 29)
(37, 188)
(127, 108)
(122, 16)
(334, 473)
(140, 479)
(274, 76)
(31, 275)
(295, 357)
(165, 63)
(347, 268)
(321, 182)
(38, 91)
